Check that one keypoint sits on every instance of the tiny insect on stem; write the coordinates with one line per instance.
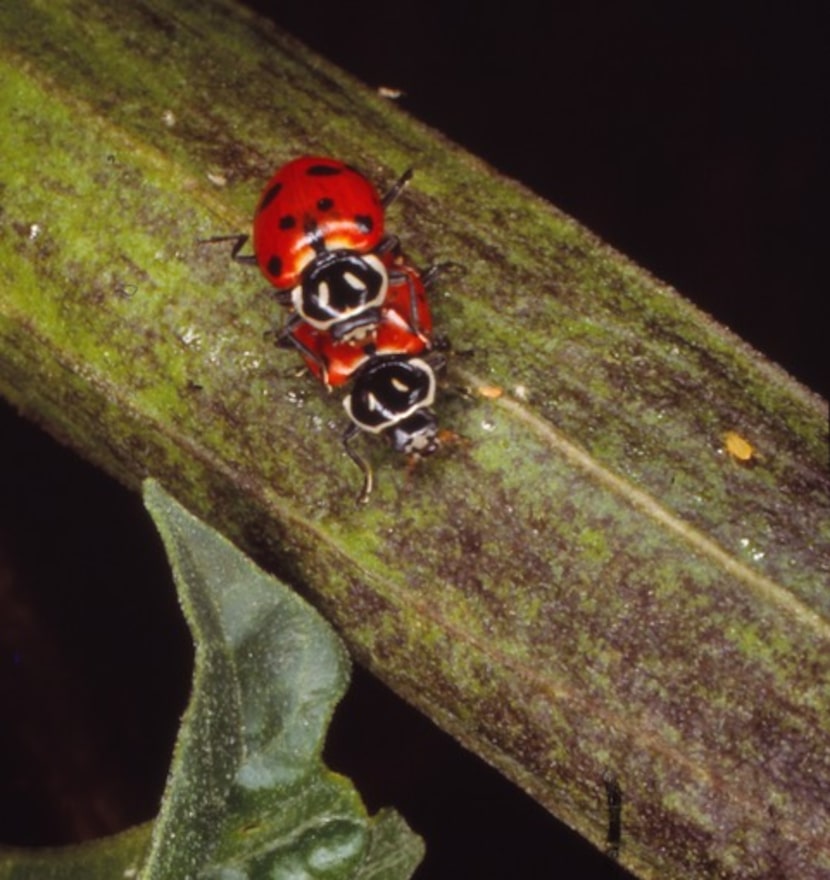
(614, 800)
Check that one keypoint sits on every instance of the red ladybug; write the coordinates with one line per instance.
(318, 238)
(313, 205)
(404, 327)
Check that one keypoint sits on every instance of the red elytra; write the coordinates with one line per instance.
(311, 205)
(404, 328)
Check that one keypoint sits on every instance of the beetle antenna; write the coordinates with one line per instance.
(395, 191)
(361, 462)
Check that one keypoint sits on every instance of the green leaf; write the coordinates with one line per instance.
(248, 797)
(118, 856)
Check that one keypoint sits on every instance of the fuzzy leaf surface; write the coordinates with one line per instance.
(248, 796)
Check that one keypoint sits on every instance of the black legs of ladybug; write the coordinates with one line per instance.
(287, 338)
(238, 243)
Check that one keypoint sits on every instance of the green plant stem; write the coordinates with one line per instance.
(586, 582)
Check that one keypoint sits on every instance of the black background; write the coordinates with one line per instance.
(689, 138)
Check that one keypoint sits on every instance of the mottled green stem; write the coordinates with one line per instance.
(587, 585)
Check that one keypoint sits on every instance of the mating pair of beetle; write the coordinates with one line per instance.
(359, 310)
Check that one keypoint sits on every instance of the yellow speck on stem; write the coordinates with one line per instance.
(739, 448)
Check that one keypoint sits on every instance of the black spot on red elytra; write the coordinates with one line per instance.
(323, 170)
(363, 222)
(274, 266)
(287, 222)
(268, 196)
(325, 204)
